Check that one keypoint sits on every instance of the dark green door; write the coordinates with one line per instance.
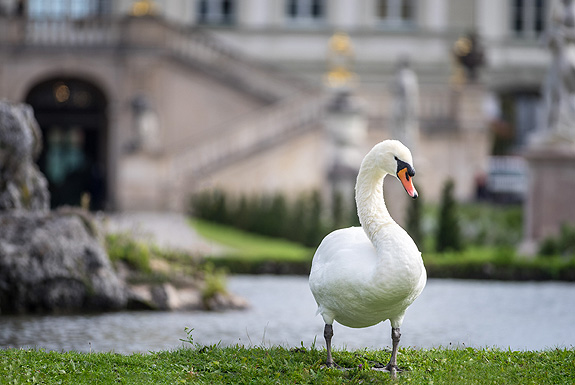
(72, 116)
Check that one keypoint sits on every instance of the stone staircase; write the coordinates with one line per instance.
(202, 50)
(206, 153)
(293, 107)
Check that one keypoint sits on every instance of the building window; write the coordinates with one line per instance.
(396, 12)
(528, 17)
(216, 11)
(305, 11)
(520, 116)
(68, 9)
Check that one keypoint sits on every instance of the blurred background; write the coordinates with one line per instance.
(239, 109)
(143, 102)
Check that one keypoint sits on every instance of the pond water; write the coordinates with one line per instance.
(515, 315)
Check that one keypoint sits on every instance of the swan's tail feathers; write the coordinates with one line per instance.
(318, 311)
(327, 316)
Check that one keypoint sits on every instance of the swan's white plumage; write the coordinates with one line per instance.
(361, 276)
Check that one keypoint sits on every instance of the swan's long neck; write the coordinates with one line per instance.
(371, 209)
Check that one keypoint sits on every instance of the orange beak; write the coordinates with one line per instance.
(407, 182)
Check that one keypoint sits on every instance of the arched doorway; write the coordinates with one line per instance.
(72, 115)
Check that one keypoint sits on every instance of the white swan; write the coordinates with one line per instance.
(361, 276)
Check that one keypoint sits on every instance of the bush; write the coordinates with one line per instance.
(302, 220)
(121, 247)
(563, 244)
(215, 283)
(315, 229)
(414, 221)
(307, 219)
(488, 225)
(448, 232)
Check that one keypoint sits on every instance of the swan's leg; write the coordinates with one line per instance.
(392, 366)
(327, 334)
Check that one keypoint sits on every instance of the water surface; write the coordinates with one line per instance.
(515, 315)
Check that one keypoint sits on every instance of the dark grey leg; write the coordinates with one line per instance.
(392, 366)
(327, 334)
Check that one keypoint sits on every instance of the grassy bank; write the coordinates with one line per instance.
(248, 253)
(276, 365)
(255, 254)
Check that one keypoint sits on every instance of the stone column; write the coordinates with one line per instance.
(550, 197)
(551, 152)
(346, 128)
(405, 105)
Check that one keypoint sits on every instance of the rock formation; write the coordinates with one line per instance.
(22, 185)
(52, 262)
(49, 261)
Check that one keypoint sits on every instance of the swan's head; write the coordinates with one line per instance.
(395, 159)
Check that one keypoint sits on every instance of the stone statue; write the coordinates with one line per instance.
(405, 107)
(147, 125)
(559, 86)
(22, 185)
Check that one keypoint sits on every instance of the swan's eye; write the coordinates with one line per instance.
(404, 165)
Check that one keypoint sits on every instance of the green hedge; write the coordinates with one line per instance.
(305, 220)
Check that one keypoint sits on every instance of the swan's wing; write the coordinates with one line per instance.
(344, 259)
(343, 246)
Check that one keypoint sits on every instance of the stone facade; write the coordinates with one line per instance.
(242, 106)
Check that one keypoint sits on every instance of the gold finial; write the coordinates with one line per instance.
(461, 47)
(340, 43)
(340, 61)
(143, 8)
(339, 77)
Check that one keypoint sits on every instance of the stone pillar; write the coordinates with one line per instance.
(346, 128)
(551, 154)
(550, 197)
(346, 124)
(405, 106)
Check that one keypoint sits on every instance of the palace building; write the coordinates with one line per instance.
(142, 103)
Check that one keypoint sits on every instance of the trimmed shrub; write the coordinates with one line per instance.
(414, 221)
(563, 244)
(448, 232)
(302, 220)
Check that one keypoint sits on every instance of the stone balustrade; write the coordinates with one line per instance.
(192, 45)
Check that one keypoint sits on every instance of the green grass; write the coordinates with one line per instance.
(278, 365)
(252, 253)
(249, 245)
